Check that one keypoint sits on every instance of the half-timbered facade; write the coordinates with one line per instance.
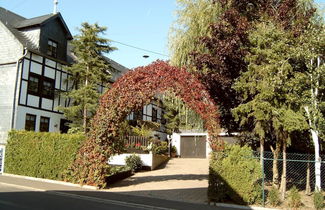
(32, 55)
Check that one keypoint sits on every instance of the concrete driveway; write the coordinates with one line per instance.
(181, 179)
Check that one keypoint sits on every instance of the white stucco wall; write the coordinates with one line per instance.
(7, 87)
(10, 47)
(54, 118)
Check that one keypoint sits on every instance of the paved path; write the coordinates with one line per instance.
(181, 179)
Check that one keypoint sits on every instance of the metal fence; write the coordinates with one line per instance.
(300, 171)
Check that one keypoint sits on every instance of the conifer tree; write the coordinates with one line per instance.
(88, 72)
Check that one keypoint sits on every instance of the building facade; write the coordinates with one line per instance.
(33, 53)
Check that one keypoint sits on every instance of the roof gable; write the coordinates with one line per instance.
(15, 23)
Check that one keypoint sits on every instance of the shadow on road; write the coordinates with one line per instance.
(83, 200)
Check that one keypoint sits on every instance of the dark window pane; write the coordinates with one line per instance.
(64, 125)
(52, 48)
(30, 122)
(48, 88)
(154, 115)
(138, 115)
(44, 124)
(33, 84)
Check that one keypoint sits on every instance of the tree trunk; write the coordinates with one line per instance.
(275, 179)
(85, 107)
(283, 187)
(308, 189)
(314, 135)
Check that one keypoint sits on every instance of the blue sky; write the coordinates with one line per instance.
(140, 23)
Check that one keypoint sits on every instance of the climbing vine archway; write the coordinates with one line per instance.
(132, 91)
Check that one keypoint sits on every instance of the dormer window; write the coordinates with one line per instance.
(52, 47)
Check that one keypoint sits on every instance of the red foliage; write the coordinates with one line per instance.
(131, 92)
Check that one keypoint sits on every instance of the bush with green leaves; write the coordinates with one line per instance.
(294, 198)
(160, 148)
(38, 154)
(318, 199)
(235, 175)
(134, 162)
(274, 196)
(173, 149)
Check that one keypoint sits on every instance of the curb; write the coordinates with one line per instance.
(51, 181)
(242, 207)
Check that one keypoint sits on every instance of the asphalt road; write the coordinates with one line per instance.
(19, 198)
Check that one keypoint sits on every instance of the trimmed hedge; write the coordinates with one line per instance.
(235, 175)
(42, 155)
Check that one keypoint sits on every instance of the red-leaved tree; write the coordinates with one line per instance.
(131, 92)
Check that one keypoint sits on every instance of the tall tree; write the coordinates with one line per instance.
(310, 54)
(266, 92)
(89, 70)
(194, 18)
(272, 77)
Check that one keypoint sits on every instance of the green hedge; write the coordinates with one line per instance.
(42, 155)
(234, 176)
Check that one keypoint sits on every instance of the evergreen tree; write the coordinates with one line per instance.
(89, 70)
(267, 91)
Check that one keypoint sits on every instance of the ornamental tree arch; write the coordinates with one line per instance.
(131, 92)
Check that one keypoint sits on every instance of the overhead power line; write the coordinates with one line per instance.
(157, 53)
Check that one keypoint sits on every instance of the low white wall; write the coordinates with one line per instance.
(149, 160)
(120, 159)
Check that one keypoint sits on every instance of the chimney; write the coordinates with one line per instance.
(55, 8)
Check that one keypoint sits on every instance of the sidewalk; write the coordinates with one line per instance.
(39, 185)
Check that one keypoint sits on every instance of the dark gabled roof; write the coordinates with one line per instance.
(41, 20)
(15, 23)
(33, 21)
(116, 66)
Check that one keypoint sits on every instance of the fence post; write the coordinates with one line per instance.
(263, 181)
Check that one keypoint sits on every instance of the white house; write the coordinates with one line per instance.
(32, 55)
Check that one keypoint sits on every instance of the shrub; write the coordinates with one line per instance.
(161, 148)
(274, 196)
(133, 162)
(42, 155)
(234, 175)
(173, 149)
(294, 198)
(318, 199)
